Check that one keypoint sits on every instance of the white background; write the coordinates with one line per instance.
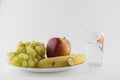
(40, 20)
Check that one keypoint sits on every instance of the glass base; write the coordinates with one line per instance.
(94, 65)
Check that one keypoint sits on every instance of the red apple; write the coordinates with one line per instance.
(58, 47)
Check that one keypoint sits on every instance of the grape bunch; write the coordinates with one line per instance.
(27, 54)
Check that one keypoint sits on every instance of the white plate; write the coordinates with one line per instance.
(43, 69)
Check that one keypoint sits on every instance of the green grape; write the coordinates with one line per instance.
(33, 44)
(15, 63)
(20, 61)
(43, 50)
(31, 63)
(27, 43)
(20, 49)
(41, 53)
(34, 54)
(24, 63)
(21, 55)
(40, 44)
(28, 48)
(38, 57)
(35, 60)
(11, 54)
(15, 59)
(38, 48)
(20, 44)
(11, 58)
(31, 52)
(25, 56)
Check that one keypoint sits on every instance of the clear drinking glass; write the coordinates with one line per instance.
(95, 45)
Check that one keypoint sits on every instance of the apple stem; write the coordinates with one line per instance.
(64, 37)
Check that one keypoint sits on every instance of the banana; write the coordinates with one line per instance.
(61, 61)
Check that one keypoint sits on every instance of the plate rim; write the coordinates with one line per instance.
(59, 69)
